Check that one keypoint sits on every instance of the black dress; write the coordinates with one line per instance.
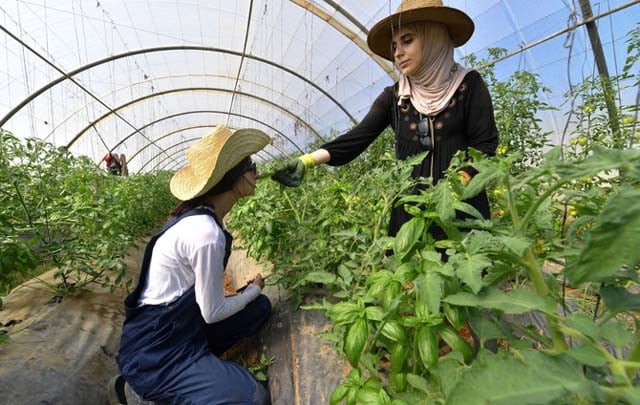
(468, 121)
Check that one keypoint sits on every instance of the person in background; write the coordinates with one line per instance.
(178, 320)
(437, 105)
(114, 165)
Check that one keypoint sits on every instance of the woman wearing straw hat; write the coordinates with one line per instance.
(178, 319)
(437, 105)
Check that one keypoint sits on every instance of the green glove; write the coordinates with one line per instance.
(293, 171)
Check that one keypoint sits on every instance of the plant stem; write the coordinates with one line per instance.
(383, 214)
(606, 318)
(634, 355)
(534, 271)
(537, 278)
(533, 208)
(293, 208)
(511, 205)
(532, 335)
(24, 205)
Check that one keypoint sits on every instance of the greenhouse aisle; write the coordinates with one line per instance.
(63, 348)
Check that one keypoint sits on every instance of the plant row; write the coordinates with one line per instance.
(61, 211)
(560, 250)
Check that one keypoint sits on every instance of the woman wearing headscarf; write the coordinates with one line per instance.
(178, 319)
(437, 105)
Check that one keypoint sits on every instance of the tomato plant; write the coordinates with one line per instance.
(62, 211)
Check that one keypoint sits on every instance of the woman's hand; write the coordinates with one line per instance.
(291, 174)
(258, 281)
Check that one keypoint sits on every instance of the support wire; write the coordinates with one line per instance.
(244, 51)
(556, 34)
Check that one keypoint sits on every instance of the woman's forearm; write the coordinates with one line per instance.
(320, 156)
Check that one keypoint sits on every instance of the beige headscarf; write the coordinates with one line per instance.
(433, 85)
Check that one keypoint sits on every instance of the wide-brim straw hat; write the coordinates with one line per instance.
(459, 24)
(212, 157)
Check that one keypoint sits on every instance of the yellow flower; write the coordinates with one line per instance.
(499, 192)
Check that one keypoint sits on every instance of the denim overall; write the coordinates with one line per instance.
(167, 351)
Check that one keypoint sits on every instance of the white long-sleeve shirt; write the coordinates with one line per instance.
(192, 252)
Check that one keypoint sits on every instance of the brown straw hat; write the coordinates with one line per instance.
(212, 157)
(459, 24)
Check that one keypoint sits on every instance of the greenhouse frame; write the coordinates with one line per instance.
(534, 301)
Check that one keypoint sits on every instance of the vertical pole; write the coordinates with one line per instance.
(601, 63)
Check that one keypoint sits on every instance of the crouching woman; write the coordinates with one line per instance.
(178, 319)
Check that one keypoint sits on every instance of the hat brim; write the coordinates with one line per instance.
(221, 155)
(459, 24)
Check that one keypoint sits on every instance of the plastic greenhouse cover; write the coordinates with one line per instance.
(297, 69)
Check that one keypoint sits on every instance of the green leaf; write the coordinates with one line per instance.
(344, 312)
(514, 244)
(589, 355)
(374, 313)
(617, 334)
(481, 181)
(476, 241)
(408, 235)
(427, 343)
(355, 341)
(583, 324)
(448, 372)
(429, 289)
(469, 269)
(345, 273)
(601, 159)
(618, 299)
(321, 277)
(368, 396)
(342, 294)
(444, 201)
(404, 273)
(393, 330)
(485, 328)
(338, 394)
(532, 378)
(630, 394)
(467, 209)
(431, 261)
(612, 243)
(418, 382)
(513, 302)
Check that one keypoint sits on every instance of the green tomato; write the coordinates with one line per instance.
(582, 141)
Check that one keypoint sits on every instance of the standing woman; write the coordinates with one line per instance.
(437, 105)
(177, 319)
